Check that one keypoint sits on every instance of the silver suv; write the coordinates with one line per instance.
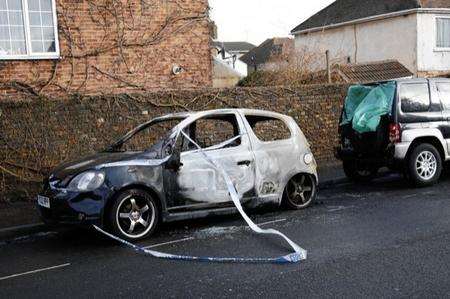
(413, 137)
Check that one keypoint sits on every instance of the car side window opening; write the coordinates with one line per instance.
(415, 97)
(444, 94)
(269, 129)
(212, 131)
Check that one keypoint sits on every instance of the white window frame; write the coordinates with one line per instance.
(30, 55)
(436, 48)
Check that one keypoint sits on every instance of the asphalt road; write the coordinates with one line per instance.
(383, 239)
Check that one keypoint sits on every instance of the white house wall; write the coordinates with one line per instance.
(340, 43)
(239, 65)
(429, 58)
(394, 38)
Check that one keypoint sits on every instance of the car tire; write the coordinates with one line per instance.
(134, 215)
(424, 165)
(355, 174)
(300, 192)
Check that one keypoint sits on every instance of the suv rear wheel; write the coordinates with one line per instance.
(357, 174)
(424, 165)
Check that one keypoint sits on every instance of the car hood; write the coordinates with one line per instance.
(90, 162)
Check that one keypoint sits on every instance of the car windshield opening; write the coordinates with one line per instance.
(146, 137)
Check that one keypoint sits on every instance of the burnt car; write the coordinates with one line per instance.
(157, 173)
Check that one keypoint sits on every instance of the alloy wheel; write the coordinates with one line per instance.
(426, 165)
(300, 190)
(135, 216)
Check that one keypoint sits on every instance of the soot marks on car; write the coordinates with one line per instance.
(158, 172)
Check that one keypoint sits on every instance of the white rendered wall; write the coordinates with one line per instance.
(239, 65)
(386, 39)
(429, 57)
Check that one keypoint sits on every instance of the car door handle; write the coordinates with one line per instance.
(244, 163)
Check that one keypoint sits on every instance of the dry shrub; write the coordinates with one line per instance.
(290, 70)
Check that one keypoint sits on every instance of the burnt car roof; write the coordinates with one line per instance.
(220, 111)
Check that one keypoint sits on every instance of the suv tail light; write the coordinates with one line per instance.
(395, 134)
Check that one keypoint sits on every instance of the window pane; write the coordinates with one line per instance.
(15, 4)
(443, 33)
(4, 33)
(36, 33)
(49, 33)
(444, 94)
(15, 18)
(35, 19)
(17, 33)
(18, 47)
(3, 18)
(5, 47)
(3, 4)
(41, 27)
(47, 19)
(49, 46)
(415, 97)
(46, 5)
(33, 5)
(37, 47)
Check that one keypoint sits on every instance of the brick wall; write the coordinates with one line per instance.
(36, 135)
(119, 46)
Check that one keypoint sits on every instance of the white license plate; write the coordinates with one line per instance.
(44, 201)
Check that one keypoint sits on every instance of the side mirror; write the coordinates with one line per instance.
(174, 162)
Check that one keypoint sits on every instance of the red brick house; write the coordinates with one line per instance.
(59, 47)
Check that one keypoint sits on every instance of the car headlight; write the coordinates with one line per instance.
(87, 181)
(308, 158)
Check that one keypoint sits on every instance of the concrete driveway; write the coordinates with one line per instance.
(383, 239)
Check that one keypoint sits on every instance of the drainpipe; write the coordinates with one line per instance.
(327, 54)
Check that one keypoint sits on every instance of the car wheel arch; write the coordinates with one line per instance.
(433, 140)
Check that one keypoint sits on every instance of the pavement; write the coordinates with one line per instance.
(384, 239)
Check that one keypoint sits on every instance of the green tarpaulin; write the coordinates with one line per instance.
(365, 105)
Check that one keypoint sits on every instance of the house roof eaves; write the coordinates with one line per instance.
(373, 18)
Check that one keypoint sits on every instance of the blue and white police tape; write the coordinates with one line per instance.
(298, 255)
(288, 259)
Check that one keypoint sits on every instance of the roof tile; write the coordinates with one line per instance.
(342, 11)
(373, 72)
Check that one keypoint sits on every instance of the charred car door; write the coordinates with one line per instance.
(224, 139)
